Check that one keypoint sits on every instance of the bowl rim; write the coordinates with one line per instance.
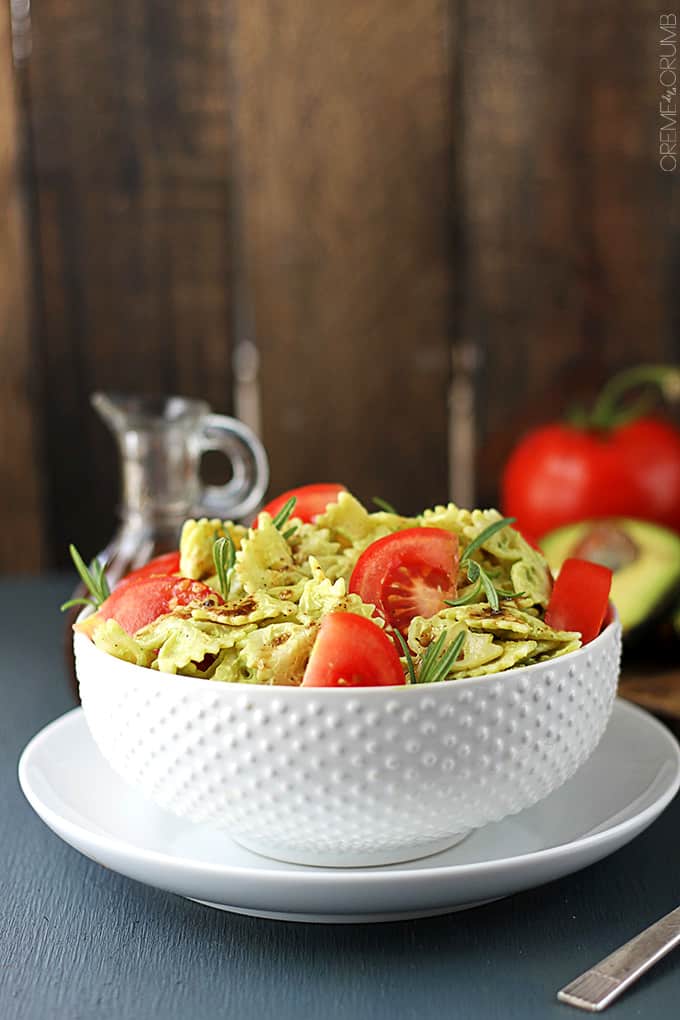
(602, 638)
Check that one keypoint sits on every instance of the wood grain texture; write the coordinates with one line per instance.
(343, 128)
(657, 690)
(571, 229)
(21, 510)
(79, 942)
(128, 109)
(361, 189)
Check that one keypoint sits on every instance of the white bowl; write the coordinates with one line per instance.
(365, 776)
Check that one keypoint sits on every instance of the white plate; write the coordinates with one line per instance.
(629, 780)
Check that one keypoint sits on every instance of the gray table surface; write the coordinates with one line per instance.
(77, 941)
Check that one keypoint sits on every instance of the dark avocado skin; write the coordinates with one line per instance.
(658, 624)
(645, 559)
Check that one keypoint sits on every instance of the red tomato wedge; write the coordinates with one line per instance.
(410, 573)
(351, 651)
(166, 564)
(135, 604)
(311, 500)
(580, 598)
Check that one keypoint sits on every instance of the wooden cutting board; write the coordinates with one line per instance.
(656, 688)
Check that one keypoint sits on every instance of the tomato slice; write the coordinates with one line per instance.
(351, 651)
(407, 574)
(167, 563)
(311, 500)
(580, 598)
(135, 604)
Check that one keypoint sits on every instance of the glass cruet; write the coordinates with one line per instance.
(161, 441)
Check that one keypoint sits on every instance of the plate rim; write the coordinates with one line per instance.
(378, 874)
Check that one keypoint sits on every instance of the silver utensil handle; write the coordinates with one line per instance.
(599, 986)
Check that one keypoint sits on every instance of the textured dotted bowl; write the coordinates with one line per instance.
(350, 777)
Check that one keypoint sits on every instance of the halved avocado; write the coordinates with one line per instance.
(645, 559)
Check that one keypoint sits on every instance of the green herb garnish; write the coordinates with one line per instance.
(283, 516)
(407, 654)
(485, 535)
(94, 579)
(476, 573)
(437, 661)
(224, 558)
(384, 505)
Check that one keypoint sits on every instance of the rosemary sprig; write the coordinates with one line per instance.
(476, 573)
(384, 505)
(283, 516)
(94, 579)
(437, 661)
(224, 558)
(289, 531)
(484, 536)
(407, 655)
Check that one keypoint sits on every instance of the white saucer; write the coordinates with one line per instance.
(629, 780)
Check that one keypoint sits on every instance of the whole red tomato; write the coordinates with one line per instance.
(608, 466)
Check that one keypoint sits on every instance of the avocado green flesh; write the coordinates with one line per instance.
(639, 588)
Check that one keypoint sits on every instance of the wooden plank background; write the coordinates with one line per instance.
(131, 171)
(22, 540)
(573, 229)
(369, 192)
(344, 186)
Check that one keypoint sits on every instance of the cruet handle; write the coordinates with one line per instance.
(242, 495)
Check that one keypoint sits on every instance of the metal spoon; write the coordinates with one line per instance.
(598, 987)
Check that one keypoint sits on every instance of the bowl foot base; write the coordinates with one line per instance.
(369, 918)
(352, 859)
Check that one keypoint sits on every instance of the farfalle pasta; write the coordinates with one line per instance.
(275, 582)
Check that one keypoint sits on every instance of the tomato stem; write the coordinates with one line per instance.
(608, 412)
